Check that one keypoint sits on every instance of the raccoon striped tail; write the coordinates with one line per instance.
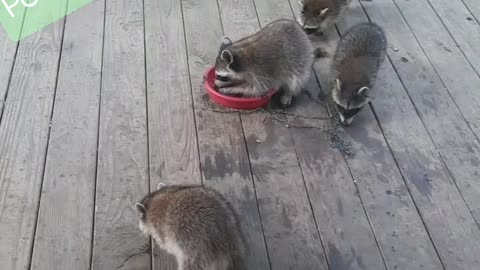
(320, 53)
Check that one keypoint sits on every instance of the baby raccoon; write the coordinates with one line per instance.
(279, 56)
(195, 224)
(320, 14)
(354, 69)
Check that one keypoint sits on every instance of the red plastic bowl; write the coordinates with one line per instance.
(233, 102)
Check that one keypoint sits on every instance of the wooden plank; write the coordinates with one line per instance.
(292, 237)
(466, 33)
(398, 228)
(429, 182)
(223, 153)
(474, 8)
(173, 143)
(457, 74)
(460, 150)
(8, 51)
(67, 204)
(171, 127)
(122, 176)
(397, 225)
(24, 132)
(343, 225)
(291, 234)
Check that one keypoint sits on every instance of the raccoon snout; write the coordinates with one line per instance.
(344, 120)
(222, 78)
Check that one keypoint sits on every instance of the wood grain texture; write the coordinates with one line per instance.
(292, 237)
(433, 189)
(466, 33)
(341, 220)
(291, 234)
(454, 69)
(24, 134)
(399, 230)
(460, 151)
(223, 154)
(474, 8)
(67, 204)
(173, 145)
(8, 50)
(122, 177)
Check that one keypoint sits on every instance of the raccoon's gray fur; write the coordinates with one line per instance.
(321, 14)
(355, 65)
(195, 224)
(279, 56)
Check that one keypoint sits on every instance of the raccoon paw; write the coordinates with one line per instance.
(285, 100)
(225, 90)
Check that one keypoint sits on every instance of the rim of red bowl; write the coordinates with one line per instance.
(208, 85)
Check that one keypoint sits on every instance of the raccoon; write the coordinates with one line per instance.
(279, 56)
(355, 65)
(318, 15)
(195, 224)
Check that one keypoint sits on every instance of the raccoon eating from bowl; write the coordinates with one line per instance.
(355, 65)
(195, 224)
(279, 56)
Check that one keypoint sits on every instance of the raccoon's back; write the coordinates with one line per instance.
(362, 47)
(203, 221)
(281, 44)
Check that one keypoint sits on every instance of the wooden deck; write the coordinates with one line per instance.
(98, 108)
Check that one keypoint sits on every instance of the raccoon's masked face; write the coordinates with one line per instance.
(313, 14)
(227, 66)
(349, 101)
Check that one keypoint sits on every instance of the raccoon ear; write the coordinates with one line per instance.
(141, 208)
(338, 84)
(161, 185)
(226, 41)
(363, 91)
(227, 56)
(323, 11)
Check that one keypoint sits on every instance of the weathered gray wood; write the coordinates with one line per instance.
(173, 143)
(24, 134)
(341, 220)
(292, 237)
(67, 204)
(290, 231)
(223, 154)
(460, 151)
(457, 74)
(398, 228)
(466, 33)
(405, 221)
(8, 50)
(122, 177)
(474, 7)
(172, 137)
(429, 182)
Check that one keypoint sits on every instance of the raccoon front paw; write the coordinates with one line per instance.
(285, 100)
(225, 90)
